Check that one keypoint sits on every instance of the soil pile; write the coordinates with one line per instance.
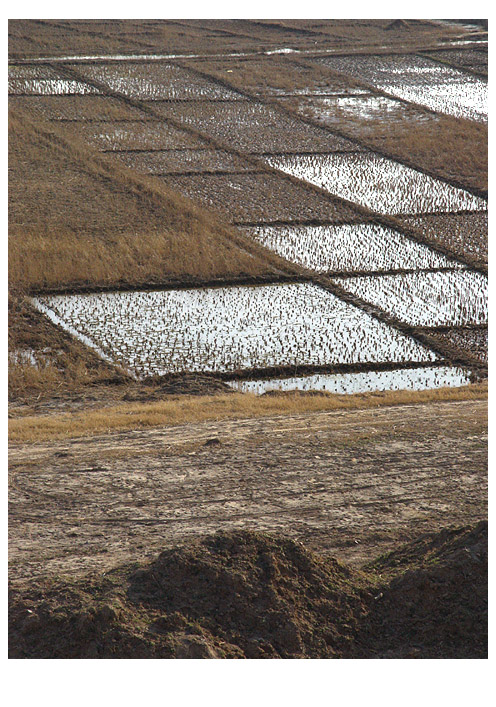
(436, 604)
(231, 595)
(250, 595)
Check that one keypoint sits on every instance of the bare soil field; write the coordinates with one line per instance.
(349, 483)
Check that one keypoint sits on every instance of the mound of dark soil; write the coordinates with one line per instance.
(250, 595)
(237, 594)
(435, 606)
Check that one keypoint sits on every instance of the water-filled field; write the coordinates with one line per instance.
(427, 299)
(381, 184)
(420, 80)
(230, 329)
(427, 377)
(349, 248)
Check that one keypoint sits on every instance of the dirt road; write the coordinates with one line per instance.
(350, 483)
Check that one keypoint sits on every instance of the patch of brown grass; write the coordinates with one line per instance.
(179, 410)
(80, 219)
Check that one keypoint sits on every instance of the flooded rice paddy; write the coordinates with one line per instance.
(50, 87)
(137, 135)
(360, 113)
(349, 248)
(151, 82)
(381, 184)
(425, 378)
(420, 80)
(427, 299)
(230, 329)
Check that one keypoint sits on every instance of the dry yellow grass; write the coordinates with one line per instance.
(76, 218)
(180, 410)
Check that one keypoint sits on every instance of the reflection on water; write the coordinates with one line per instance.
(370, 381)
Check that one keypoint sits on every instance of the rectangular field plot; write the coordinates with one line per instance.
(171, 161)
(137, 135)
(229, 329)
(76, 108)
(348, 248)
(471, 59)
(419, 80)
(259, 198)
(465, 234)
(453, 298)
(255, 128)
(426, 378)
(157, 81)
(360, 115)
(383, 185)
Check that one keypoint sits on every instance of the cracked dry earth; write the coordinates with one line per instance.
(351, 484)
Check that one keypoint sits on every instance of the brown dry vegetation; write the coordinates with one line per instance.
(268, 75)
(107, 225)
(175, 410)
(31, 38)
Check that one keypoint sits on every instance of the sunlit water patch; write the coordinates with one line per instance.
(420, 80)
(349, 248)
(381, 184)
(50, 87)
(427, 378)
(229, 329)
(427, 299)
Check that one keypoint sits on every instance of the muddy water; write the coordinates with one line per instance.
(381, 184)
(426, 378)
(229, 329)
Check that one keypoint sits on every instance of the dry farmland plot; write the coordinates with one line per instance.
(348, 248)
(260, 198)
(271, 76)
(465, 234)
(230, 329)
(156, 81)
(137, 135)
(426, 299)
(75, 108)
(254, 127)
(425, 378)
(419, 80)
(171, 161)
(97, 224)
(375, 182)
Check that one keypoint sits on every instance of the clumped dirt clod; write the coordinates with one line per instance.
(241, 594)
